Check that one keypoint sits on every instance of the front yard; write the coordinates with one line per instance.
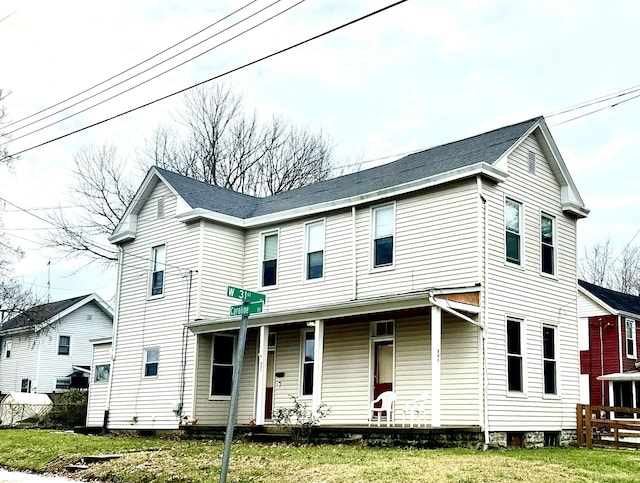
(163, 460)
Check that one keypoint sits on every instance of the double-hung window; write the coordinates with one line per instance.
(513, 230)
(221, 365)
(269, 259)
(547, 244)
(8, 345)
(315, 250)
(25, 385)
(151, 361)
(64, 345)
(630, 337)
(158, 256)
(549, 359)
(515, 376)
(383, 230)
(308, 361)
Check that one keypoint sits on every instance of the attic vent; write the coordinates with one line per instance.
(89, 316)
(531, 161)
(160, 211)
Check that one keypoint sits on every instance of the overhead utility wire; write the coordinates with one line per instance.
(146, 70)
(124, 71)
(243, 66)
(596, 110)
(597, 100)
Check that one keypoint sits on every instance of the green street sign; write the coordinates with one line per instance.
(245, 295)
(246, 309)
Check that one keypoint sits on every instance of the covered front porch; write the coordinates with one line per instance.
(343, 356)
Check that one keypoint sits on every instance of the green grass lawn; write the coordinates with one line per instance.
(162, 460)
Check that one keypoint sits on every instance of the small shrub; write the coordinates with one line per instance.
(298, 421)
(69, 409)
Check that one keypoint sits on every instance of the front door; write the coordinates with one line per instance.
(268, 400)
(383, 367)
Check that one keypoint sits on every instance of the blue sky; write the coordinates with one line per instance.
(420, 74)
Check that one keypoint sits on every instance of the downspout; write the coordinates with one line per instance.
(484, 304)
(622, 340)
(114, 337)
(602, 384)
(354, 265)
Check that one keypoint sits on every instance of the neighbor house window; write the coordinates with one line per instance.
(63, 383)
(25, 385)
(630, 337)
(158, 256)
(547, 244)
(513, 229)
(151, 360)
(64, 345)
(549, 359)
(7, 349)
(315, 250)
(308, 361)
(383, 226)
(515, 377)
(222, 365)
(269, 259)
(101, 373)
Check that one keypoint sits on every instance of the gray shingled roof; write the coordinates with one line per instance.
(483, 148)
(40, 313)
(616, 300)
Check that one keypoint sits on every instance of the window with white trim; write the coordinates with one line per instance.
(383, 231)
(62, 383)
(25, 385)
(308, 361)
(222, 349)
(158, 260)
(547, 242)
(8, 345)
(515, 375)
(269, 259)
(630, 337)
(549, 359)
(513, 230)
(101, 373)
(64, 345)
(151, 361)
(315, 250)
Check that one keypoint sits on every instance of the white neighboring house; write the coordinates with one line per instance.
(46, 348)
(451, 270)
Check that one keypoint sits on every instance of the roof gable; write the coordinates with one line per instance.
(482, 154)
(617, 302)
(42, 315)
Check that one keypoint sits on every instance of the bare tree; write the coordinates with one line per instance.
(214, 141)
(6, 159)
(602, 266)
(14, 298)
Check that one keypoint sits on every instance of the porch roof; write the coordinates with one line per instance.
(349, 308)
(632, 375)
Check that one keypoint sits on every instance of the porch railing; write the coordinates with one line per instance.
(608, 426)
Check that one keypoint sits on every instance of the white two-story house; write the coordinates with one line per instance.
(451, 270)
(46, 348)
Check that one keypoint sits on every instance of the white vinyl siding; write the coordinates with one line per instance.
(547, 299)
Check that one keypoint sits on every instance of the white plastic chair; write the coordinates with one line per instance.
(417, 408)
(387, 402)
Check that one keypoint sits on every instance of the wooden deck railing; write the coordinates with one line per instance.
(608, 426)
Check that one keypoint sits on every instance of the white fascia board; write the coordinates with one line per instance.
(483, 169)
(100, 340)
(620, 376)
(596, 300)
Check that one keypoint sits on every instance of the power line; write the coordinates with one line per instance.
(596, 110)
(124, 71)
(147, 80)
(243, 66)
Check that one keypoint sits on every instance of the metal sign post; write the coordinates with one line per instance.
(251, 300)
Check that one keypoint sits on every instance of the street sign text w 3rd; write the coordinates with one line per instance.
(245, 295)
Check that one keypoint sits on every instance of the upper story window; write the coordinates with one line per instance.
(25, 385)
(515, 375)
(221, 365)
(308, 361)
(315, 250)
(630, 337)
(269, 259)
(8, 345)
(64, 345)
(151, 361)
(158, 257)
(547, 239)
(513, 230)
(549, 359)
(383, 230)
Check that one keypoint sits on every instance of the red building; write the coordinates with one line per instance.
(608, 343)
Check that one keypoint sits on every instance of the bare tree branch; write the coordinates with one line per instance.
(601, 266)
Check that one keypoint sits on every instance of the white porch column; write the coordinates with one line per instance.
(436, 339)
(318, 351)
(262, 374)
(612, 414)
